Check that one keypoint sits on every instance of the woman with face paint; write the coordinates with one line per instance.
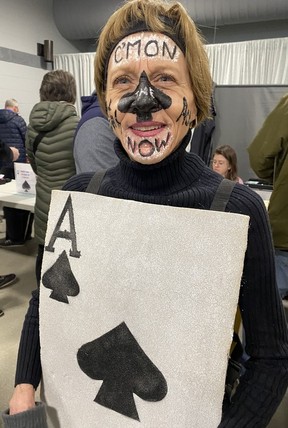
(153, 82)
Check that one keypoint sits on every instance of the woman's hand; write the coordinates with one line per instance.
(15, 153)
(23, 398)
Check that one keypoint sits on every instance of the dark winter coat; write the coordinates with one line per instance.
(53, 162)
(268, 155)
(12, 132)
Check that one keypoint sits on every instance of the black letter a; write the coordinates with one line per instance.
(65, 234)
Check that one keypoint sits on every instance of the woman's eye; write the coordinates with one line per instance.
(122, 80)
(165, 78)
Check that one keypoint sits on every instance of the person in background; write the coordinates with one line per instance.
(49, 143)
(94, 138)
(268, 154)
(224, 161)
(6, 280)
(152, 105)
(12, 132)
(7, 154)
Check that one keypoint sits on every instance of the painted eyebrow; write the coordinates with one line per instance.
(129, 70)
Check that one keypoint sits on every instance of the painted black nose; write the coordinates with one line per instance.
(145, 100)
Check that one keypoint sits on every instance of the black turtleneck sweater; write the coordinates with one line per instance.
(183, 180)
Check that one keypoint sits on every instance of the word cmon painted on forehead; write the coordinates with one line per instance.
(136, 48)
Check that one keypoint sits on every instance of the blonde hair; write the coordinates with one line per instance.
(152, 13)
(11, 103)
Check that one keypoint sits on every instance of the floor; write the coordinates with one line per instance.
(14, 300)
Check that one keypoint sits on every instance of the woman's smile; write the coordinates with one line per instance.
(147, 129)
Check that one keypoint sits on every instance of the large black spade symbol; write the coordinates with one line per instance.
(125, 369)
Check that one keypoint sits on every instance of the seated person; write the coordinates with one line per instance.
(224, 161)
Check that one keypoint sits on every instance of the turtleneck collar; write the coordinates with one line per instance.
(174, 173)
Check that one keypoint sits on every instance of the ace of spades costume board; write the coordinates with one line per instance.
(137, 305)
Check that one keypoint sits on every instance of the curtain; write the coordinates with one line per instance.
(81, 65)
(255, 62)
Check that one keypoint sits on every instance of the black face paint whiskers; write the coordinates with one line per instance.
(112, 119)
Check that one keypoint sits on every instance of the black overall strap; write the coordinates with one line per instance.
(234, 368)
(37, 140)
(222, 195)
(95, 182)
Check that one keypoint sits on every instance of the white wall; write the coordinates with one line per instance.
(23, 24)
(22, 83)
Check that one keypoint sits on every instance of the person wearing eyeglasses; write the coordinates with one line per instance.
(224, 161)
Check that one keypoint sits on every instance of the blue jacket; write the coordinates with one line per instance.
(90, 108)
(12, 132)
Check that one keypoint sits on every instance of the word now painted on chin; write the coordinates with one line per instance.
(135, 48)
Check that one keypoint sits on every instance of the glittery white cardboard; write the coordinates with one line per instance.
(172, 275)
